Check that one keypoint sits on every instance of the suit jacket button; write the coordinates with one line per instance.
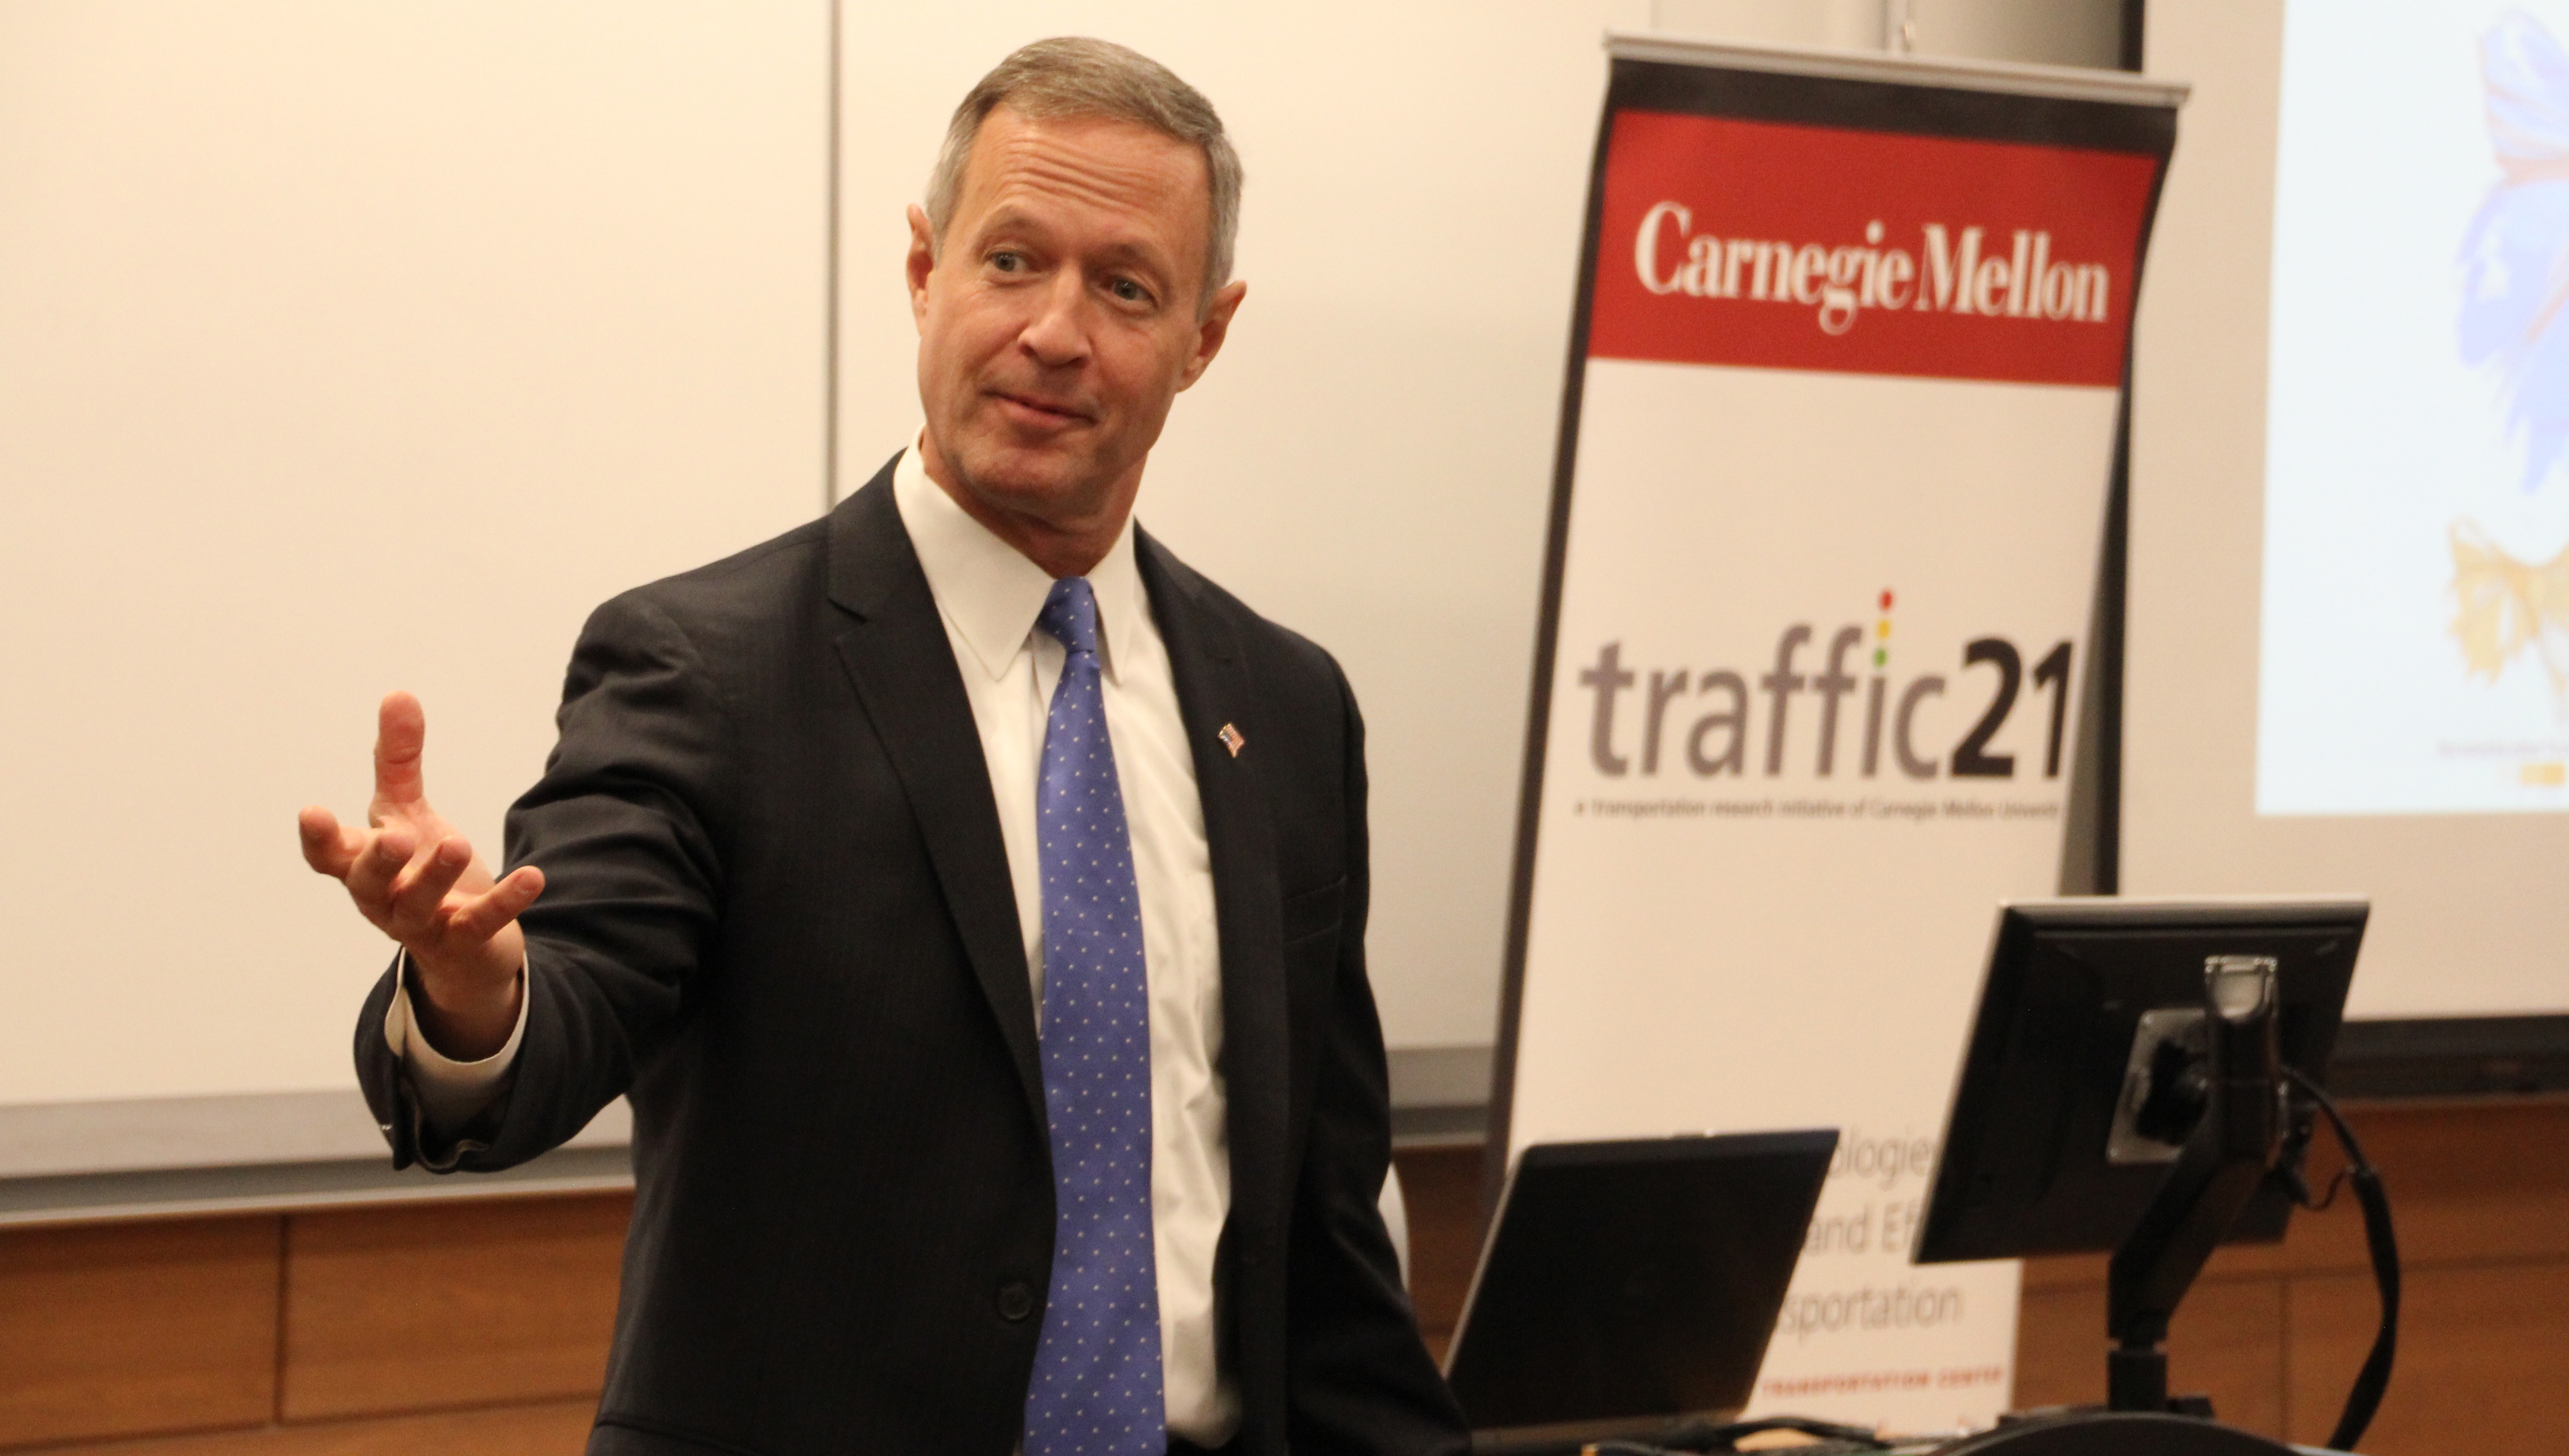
(1016, 1302)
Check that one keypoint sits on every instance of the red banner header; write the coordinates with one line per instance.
(1865, 253)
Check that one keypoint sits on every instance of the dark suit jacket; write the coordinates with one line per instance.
(778, 916)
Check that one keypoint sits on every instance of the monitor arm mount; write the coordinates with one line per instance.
(2233, 1145)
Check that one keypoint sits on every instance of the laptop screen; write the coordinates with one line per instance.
(1632, 1280)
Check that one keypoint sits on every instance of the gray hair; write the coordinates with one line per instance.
(1074, 75)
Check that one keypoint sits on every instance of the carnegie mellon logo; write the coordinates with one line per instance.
(1949, 270)
(1775, 245)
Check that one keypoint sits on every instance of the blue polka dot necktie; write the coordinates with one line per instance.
(1096, 1388)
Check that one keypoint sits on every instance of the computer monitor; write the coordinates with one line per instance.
(1627, 1285)
(2070, 1107)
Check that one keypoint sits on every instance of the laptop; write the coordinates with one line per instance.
(1627, 1288)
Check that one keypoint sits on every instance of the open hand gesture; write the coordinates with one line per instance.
(415, 880)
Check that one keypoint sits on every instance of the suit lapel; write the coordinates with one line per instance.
(1214, 691)
(902, 665)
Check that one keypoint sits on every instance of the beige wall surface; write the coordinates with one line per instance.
(344, 348)
(352, 347)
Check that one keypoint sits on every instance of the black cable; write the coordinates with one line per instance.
(2366, 1396)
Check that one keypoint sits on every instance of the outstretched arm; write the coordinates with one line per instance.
(630, 890)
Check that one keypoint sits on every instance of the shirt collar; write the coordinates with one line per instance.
(992, 593)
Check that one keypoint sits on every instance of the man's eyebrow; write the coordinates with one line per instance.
(1138, 255)
(1008, 217)
(1131, 252)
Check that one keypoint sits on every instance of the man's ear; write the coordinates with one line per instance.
(920, 262)
(1212, 329)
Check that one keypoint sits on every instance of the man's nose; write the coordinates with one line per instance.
(1057, 334)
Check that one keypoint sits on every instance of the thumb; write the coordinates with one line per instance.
(401, 729)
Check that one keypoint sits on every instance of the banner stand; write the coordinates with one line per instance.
(1846, 373)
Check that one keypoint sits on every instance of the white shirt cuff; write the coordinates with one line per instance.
(451, 1093)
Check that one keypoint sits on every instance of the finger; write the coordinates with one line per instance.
(422, 887)
(370, 880)
(401, 732)
(328, 846)
(485, 915)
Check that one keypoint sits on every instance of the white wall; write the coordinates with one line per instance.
(2053, 32)
(351, 347)
(346, 347)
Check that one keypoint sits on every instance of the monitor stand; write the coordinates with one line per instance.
(2234, 1143)
(2237, 1138)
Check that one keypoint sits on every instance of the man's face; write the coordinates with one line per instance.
(1058, 317)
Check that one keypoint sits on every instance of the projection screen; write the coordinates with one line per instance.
(2348, 609)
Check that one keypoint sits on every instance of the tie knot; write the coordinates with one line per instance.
(1070, 615)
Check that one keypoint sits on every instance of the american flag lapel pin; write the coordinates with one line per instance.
(1232, 739)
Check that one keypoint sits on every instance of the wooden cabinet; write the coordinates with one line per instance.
(123, 1330)
(481, 1324)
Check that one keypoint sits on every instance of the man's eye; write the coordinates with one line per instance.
(1130, 291)
(1007, 262)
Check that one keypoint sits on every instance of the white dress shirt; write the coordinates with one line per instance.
(988, 596)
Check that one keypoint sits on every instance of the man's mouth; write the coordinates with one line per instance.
(1036, 410)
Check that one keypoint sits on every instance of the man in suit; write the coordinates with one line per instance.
(968, 896)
